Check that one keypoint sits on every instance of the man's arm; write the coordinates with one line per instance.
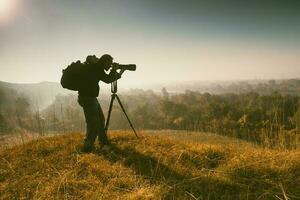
(111, 77)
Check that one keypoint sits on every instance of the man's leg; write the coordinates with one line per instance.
(90, 108)
(102, 137)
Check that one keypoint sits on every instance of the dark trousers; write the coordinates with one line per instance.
(94, 118)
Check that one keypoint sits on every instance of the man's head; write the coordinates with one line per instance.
(106, 60)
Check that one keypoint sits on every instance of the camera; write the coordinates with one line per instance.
(130, 67)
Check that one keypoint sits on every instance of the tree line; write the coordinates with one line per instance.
(271, 119)
(265, 119)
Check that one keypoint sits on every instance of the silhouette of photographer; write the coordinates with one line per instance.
(87, 98)
(84, 78)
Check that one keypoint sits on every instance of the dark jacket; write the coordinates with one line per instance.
(91, 76)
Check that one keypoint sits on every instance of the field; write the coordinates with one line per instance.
(159, 165)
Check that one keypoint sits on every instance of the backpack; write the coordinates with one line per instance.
(71, 77)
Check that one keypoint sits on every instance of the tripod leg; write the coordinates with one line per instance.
(126, 115)
(109, 112)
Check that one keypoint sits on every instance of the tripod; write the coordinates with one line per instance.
(114, 89)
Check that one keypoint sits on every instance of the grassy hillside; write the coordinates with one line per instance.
(156, 166)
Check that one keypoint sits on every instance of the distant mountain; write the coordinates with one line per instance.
(39, 94)
(262, 86)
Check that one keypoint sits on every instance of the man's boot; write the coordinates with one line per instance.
(103, 140)
(87, 147)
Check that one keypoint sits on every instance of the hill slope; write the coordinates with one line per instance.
(153, 167)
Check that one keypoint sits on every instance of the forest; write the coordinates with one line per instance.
(271, 119)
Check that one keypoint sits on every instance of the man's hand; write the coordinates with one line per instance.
(115, 66)
(122, 71)
(115, 74)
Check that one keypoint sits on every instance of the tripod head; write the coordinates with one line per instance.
(114, 87)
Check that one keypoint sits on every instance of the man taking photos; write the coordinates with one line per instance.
(84, 78)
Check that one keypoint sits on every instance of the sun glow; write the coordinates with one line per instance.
(7, 8)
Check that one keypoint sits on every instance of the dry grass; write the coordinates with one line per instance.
(155, 166)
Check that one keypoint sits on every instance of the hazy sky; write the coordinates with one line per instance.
(168, 40)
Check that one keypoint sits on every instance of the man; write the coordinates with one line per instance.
(94, 71)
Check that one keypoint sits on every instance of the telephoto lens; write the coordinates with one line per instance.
(130, 67)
